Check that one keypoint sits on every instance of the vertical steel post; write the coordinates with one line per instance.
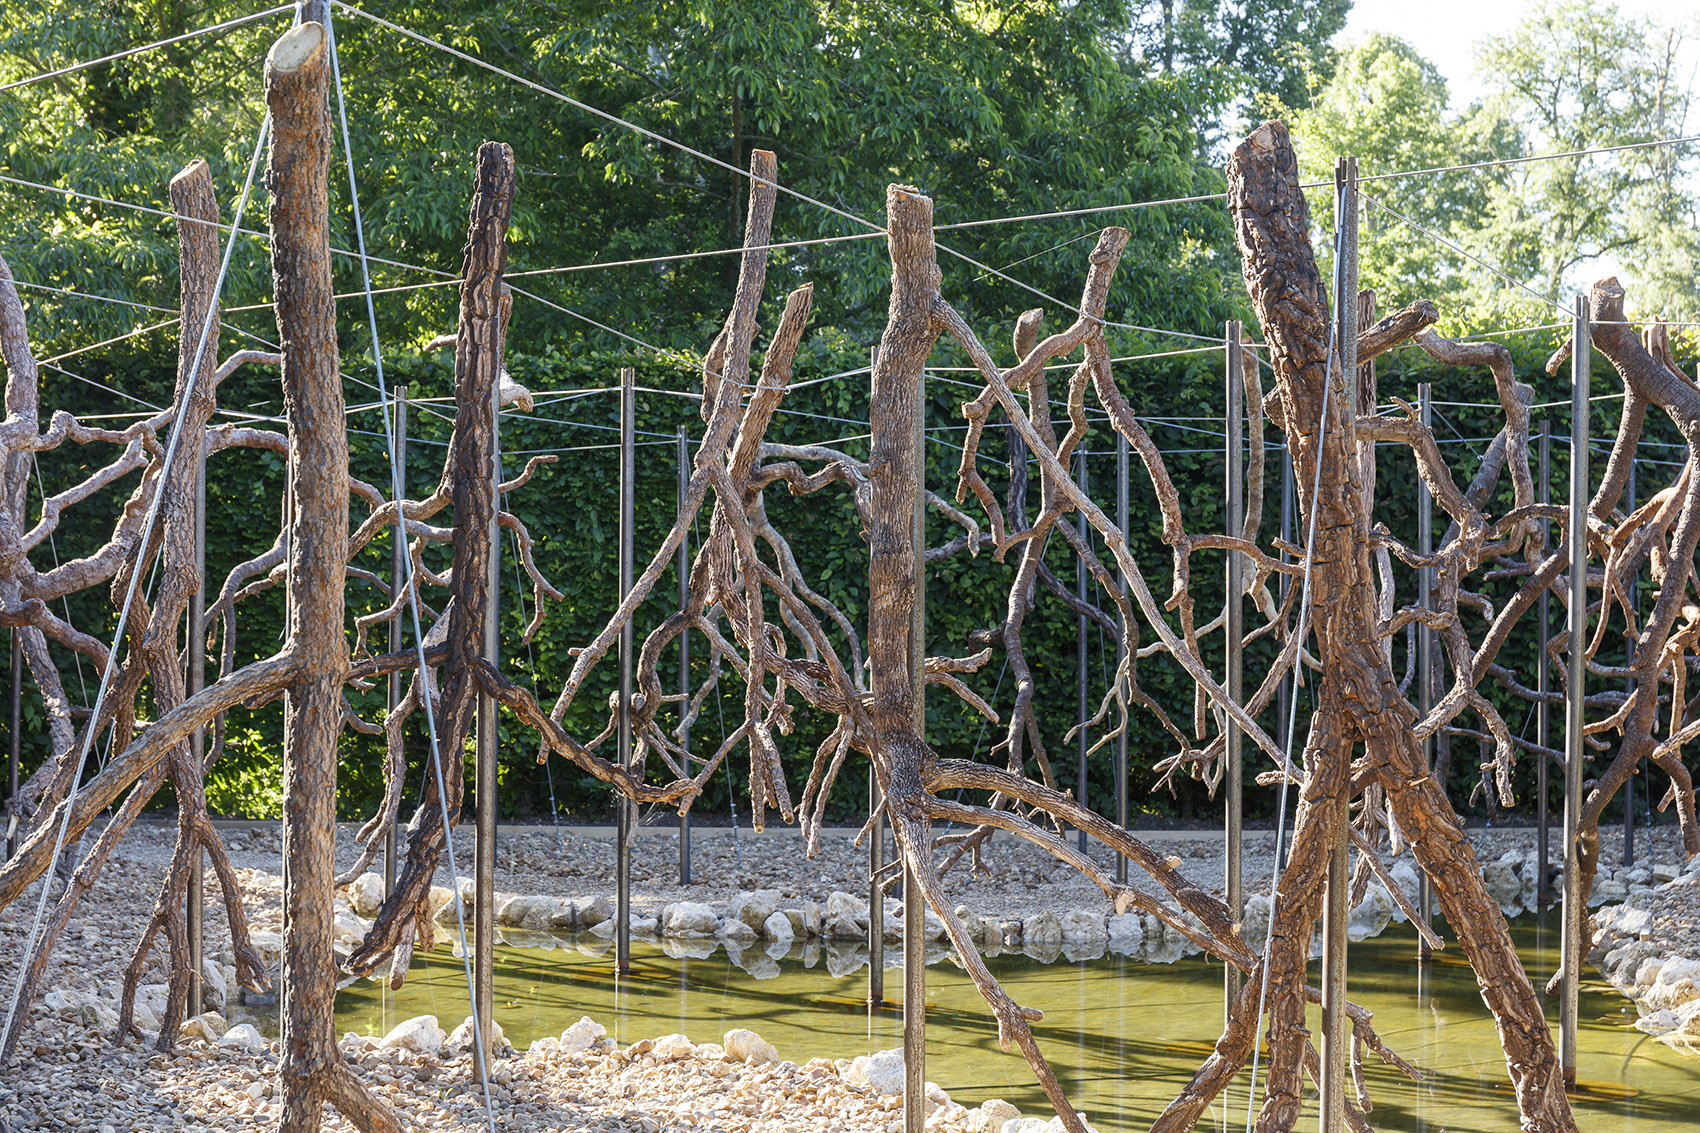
(684, 648)
(623, 805)
(1543, 732)
(876, 861)
(15, 735)
(1629, 687)
(1233, 633)
(398, 583)
(1081, 671)
(1335, 1027)
(484, 846)
(1121, 652)
(1287, 693)
(914, 901)
(1575, 751)
(194, 913)
(1425, 646)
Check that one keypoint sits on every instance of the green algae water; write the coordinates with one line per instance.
(1123, 1035)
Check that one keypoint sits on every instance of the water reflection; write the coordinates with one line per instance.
(1124, 1035)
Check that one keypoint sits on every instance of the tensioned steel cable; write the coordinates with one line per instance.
(129, 51)
(412, 587)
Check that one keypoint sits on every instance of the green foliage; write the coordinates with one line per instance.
(1573, 76)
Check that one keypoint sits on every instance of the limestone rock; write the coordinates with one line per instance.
(208, 1025)
(1083, 926)
(243, 1036)
(990, 1115)
(461, 1037)
(671, 1048)
(593, 911)
(735, 931)
(420, 1034)
(689, 918)
(582, 1035)
(748, 1047)
(1125, 932)
(754, 909)
(1041, 929)
(777, 929)
(881, 1071)
(366, 894)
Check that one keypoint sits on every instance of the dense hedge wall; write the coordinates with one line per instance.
(570, 508)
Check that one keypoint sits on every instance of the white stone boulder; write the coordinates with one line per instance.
(243, 1036)
(672, 1048)
(990, 1115)
(689, 918)
(420, 1034)
(461, 1037)
(208, 1025)
(748, 1047)
(736, 932)
(1039, 929)
(777, 930)
(754, 909)
(1083, 926)
(366, 894)
(592, 911)
(582, 1035)
(1125, 933)
(881, 1071)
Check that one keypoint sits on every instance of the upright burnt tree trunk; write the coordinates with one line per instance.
(296, 93)
(1360, 700)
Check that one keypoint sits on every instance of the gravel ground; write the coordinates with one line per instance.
(70, 1076)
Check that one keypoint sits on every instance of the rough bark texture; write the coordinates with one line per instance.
(311, 1069)
(1360, 700)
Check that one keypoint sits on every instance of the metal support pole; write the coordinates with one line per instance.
(1121, 652)
(1575, 751)
(1288, 690)
(1629, 687)
(196, 679)
(914, 901)
(876, 862)
(684, 648)
(398, 581)
(1081, 673)
(1233, 633)
(484, 848)
(1543, 733)
(1335, 1028)
(1425, 647)
(628, 520)
(15, 736)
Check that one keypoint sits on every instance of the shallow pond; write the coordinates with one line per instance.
(1123, 1035)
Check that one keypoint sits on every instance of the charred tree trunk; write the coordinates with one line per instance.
(312, 1069)
(1360, 702)
(405, 919)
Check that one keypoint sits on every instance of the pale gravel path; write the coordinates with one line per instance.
(71, 1077)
